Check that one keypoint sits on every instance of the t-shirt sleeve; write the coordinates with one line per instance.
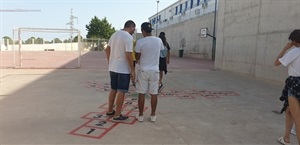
(129, 45)
(289, 57)
(138, 47)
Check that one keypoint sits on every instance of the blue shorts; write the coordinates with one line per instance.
(119, 82)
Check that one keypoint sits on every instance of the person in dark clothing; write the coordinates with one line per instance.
(164, 59)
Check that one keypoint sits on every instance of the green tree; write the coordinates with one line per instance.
(39, 40)
(67, 40)
(76, 38)
(57, 40)
(99, 28)
(29, 40)
(7, 39)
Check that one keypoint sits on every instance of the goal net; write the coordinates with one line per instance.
(46, 48)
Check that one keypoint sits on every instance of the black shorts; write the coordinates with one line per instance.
(119, 81)
(163, 64)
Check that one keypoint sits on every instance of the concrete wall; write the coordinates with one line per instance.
(196, 47)
(250, 35)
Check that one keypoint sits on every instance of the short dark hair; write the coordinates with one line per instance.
(162, 34)
(295, 36)
(129, 23)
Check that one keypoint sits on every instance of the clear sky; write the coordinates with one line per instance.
(56, 13)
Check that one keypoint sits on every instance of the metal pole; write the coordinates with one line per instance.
(79, 49)
(214, 32)
(20, 43)
(13, 49)
(157, 17)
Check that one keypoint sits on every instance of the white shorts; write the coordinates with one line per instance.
(147, 81)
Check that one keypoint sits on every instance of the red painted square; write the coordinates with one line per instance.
(186, 96)
(96, 133)
(208, 95)
(131, 120)
(103, 124)
(168, 94)
(224, 93)
(178, 92)
(191, 92)
(133, 99)
(96, 115)
(130, 103)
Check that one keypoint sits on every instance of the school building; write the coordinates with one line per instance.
(249, 34)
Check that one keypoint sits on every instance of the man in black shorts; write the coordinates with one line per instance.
(119, 56)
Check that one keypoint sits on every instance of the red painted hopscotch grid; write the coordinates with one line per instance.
(98, 124)
(182, 94)
(193, 94)
(81, 131)
(101, 87)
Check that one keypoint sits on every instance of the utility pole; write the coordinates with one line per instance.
(214, 33)
(71, 23)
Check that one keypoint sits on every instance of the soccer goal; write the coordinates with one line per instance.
(46, 48)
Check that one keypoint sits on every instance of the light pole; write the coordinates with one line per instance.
(157, 1)
(214, 33)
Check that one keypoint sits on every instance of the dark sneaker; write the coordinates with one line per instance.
(120, 118)
(111, 113)
(160, 87)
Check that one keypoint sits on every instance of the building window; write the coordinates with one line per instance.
(159, 18)
(192, 1)
(198, 2)
(180, 8)
(176, 11)
(186, 5)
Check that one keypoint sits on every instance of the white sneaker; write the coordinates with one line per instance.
(139, 118)
(282, 141)
(293, 131)
(153, 118)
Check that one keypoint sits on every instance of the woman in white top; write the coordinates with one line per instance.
(290, 57)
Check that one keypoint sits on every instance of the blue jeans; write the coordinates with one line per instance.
(119, 81)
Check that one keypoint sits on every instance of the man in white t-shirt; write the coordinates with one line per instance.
(119, 56)
(147, 55)
(290, 57)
